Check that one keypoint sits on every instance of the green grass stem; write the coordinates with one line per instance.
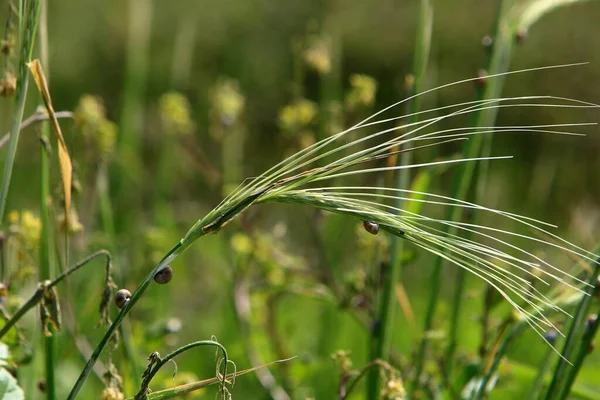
(159, 362)
(573, 338)
(506, 341)
(497, 62)
(130, 169)
(27, 44)
(46, 265)
(584, 350)
(382, 337)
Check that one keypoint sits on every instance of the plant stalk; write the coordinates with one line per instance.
(382, 335)
(27, 44)
(559, 377)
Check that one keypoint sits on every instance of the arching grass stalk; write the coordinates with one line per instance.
(27, 42)
(182, 390)
(47, 285)
(382, 337)
(35, 118)
(500, 263)
(156, 363)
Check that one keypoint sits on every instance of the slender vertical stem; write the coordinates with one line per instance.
(130, 124)
(508, 338)
(27, 41)
(382, 336)
(46, 267)
(462, 182)
(576, 328)
(584, 350)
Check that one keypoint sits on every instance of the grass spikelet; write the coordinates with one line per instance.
(510, 269)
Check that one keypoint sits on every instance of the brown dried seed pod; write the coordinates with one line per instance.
(371, 227)
(122, 298)
(164, 275)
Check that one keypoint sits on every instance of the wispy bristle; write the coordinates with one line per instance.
(510, 269)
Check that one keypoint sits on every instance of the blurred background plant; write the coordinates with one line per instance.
(189, 99)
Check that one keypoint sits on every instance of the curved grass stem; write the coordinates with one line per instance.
(46, 285)
(171, 255)
(156, 363)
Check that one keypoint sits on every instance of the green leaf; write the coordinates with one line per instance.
(9, 389)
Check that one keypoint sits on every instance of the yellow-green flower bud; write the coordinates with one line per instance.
(175, 114)
(318, 55)
(297, 116)
(228, 102)
(362, 92)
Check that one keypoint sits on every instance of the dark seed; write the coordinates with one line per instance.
(164, 275)
(122, 298)
(371, 227)
(521, 36)
(551, 336)
(588, 324)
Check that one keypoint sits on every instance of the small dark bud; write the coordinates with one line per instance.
(122, 298)
(164, 275)
(588, 324)
(409, 82)
(375, 328)
(551, 336)
(41, 385)
(487, 41)
(481, 80)
(371, 227)
(521, 36)
(592, 347)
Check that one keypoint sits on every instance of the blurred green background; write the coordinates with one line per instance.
(130, 53)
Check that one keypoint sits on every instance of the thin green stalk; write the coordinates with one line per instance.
(27, 44)
(46, 267)
(156, 363)
(131, 121)
(382, 337)
(559, 377)
(508, 338)
(45, 259)
(171, 255)
(212, 223)
(108, 226)
(462, 183)
(182, 390)
(538, 383)
(584, 350)
(43, 286)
